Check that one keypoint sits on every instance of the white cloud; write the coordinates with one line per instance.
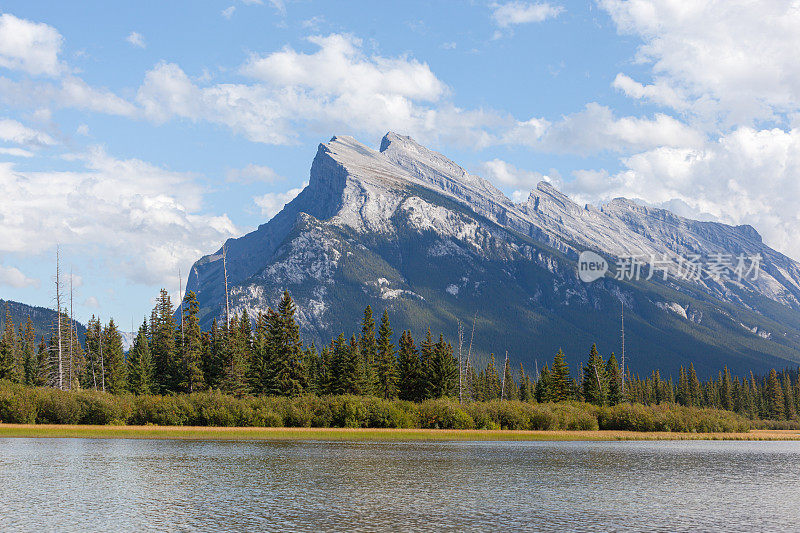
(136, 39)
(272, 203)
(16, 152)
(252, 174)
(336, 88)
(504, 173)
(70, 92)
(595, 129)
(13, 277)
(29, 46)
(513, 13)
(146, 221)
(228, 12)
(735, 62)
(748, 176)
(340, 69)
(14, 132)
(82, 130)
(92, 302)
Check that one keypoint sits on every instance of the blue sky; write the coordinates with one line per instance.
(139, 138)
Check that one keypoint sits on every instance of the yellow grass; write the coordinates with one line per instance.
(343, 434)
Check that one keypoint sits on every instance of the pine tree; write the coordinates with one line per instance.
(29, 358)
(774, 397)
(594, 384)
(369, 351)
(788, 397)
(508, 385)
(114, 359)
(8, 350)
(234, 356)
(425, 356)
(726, 390)
(490, 388)
(560, 384)
(544, 389)
(387, 362)
(442, 371)
(614, 375)
(695, 392)
(285, 370)
(162, 344)
(140, 364)
(409, 369)
(190, 375)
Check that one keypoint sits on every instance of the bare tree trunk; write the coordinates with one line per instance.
(180, 295)
(58, 319)
(622, 325)
(102, 366)
(71, 325)
(227, 302)
(503, 382)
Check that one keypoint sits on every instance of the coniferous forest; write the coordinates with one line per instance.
(263, 358)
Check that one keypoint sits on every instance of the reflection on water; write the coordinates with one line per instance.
(131, 485)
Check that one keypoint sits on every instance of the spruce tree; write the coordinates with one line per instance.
(409, 369)
(140, 364)
(595, 382)
(560, 384)
(190, 376)
(387, 362)
(774, 397)
(508, 385)
(614, 375)
(369, 351)
(491, 382)
(29, 358)
(114, 359)
(8, 349)
(162, 344)
(695, 392)
(442, 371)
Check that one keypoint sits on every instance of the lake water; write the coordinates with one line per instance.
(132, 485)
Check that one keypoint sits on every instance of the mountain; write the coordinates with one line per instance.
(408, 230)
(43, 319)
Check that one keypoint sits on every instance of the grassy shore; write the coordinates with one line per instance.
(343, 434)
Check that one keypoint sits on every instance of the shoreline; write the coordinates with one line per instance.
(364, 434)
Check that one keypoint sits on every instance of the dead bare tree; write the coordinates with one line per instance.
(180, 295)
(71, 325)
(460, 363)
(227, 302)
(60, 376)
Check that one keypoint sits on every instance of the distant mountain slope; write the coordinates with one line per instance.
(406, 229)
(43, 319)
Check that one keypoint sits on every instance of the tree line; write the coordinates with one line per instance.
(266, 356)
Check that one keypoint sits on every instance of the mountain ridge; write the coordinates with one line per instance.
(379, 228)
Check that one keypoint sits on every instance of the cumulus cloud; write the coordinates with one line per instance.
(13, 277)
(335, 88)
(136, 39)
(513, 13)
(17, 133)
(272, 203)
(33, 48)
(506, 174)
(748, 176)
(252, 174)
(29, 46)
(735, 62)
(595, 129)
(145, 220)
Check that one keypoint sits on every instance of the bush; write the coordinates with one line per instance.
(19, 404)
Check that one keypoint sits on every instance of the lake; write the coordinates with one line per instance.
(132, 485)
